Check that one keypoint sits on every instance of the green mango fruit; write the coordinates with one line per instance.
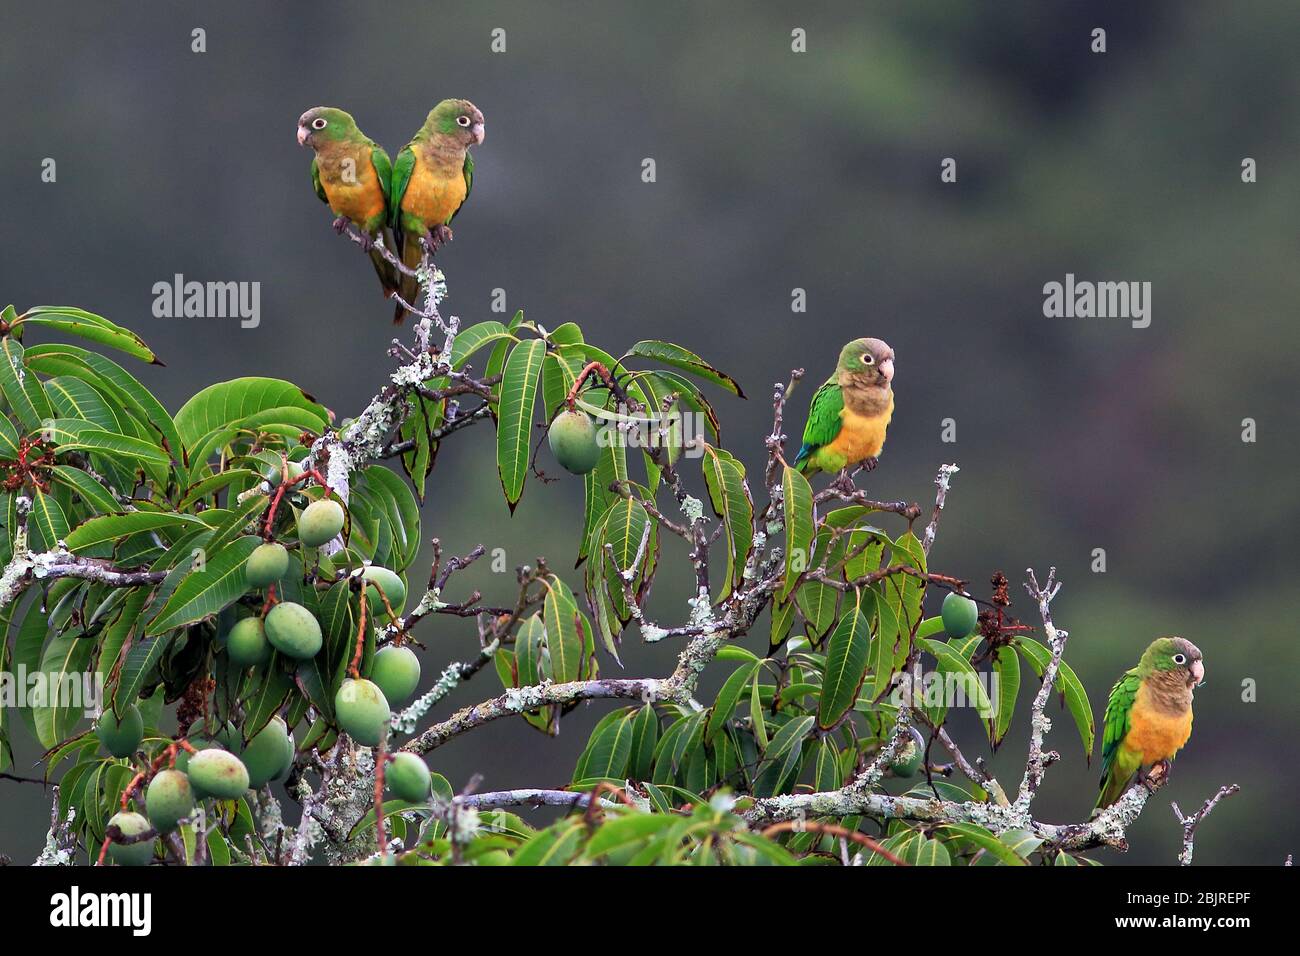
(572, 438)
(120, 733)
(293, 631)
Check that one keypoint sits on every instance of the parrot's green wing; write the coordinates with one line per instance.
(824, 420)
(384, 169)
(401, 177)
(315, 181)
(1119, 711)
(469, 182)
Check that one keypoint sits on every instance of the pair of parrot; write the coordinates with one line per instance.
(1149, 712)
(416, 197)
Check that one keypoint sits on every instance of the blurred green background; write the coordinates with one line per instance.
(775, 170)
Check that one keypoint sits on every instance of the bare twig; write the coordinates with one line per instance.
(1192, 821)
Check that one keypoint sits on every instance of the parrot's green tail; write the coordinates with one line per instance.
(1113, 786)
(412, 255)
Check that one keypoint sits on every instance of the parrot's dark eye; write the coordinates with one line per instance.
(318, 123)
(868, 359)
(462, 120)
(1180, 659)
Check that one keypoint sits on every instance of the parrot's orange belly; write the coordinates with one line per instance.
(860, 437)
(432, 197)
(361, 201)
(1155, 735)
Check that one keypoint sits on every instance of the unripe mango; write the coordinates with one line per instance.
(269, 754)
(362, 711)
(396, 670)
(217, 773)
(293, 631)
(320, 522)
(960, 615)
(266, 565)
(170, 799)
(908, 760)
(572, 438)
(274, 477)
(407, 776)
(130, 854)
(390, 583)
(246, 644)
(120, 733)
(225, 735)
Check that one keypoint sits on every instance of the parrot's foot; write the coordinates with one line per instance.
(340, 224)
(441, 235)
(367, 242)
(844, 482)
(1157, 776)
(869, 464)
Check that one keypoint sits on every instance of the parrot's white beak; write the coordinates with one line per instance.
(1198, 672)
(479, 132)
(302, 135)
(887, 369)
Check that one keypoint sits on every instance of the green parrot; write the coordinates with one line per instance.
(432, 179)
(849, 415)
(1149, 714)
(352, 174)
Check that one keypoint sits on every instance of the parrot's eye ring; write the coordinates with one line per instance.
(462, 120)
(1180, 659)
(318, 123)
(868, 360)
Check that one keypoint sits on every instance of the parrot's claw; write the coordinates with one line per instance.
(367, 242)
(1157, 776)
(869, 464)
(340, 224)
(844, 482)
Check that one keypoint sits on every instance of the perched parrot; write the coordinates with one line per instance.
(850, 413)
(431, 181)
(1149, 714)
(353, 175)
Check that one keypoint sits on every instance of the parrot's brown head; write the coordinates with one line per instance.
(459, 119)
(322, 124)
(870, 362)
(1175, 655)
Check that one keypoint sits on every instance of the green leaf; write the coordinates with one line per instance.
(48, 520)
(89, 326)
(111, 379)
(1007, 668)
(846, 665)
(798, 498)
(86, 488)
(645, 734)
(790, 735)
(1068, 685)
(608, 750)
(724, 476)
(982, 839)
(724, 705)
(515, 416)
(21, 388)
(108, 528)
(205, 592)
(563, 642)
(967, 680)
(64, 661)
(470, 340)
(687, 361)
(226, 404)
(71, 434)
